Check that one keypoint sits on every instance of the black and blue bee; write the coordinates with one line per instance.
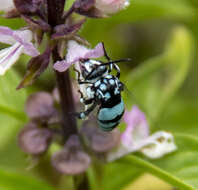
(103, 90)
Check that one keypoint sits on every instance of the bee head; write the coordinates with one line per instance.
(92, 69)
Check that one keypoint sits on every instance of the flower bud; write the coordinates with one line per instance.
(98, 140)
(40, 106)
(72, 160)
(34, 140)
(111, 6)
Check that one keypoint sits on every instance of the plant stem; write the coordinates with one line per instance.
(81, 182)
(146, 166)
(55, 12)
(69, 125)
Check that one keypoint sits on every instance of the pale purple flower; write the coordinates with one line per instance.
(77, 52)
(111, 6)
(20, 41)
(136, 138)
(6, 5)
(137, 127)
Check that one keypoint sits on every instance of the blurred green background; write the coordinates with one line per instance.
(161, 39)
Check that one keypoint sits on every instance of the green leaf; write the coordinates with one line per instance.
(11, 100)
(10, 154)
(13, 181)
(179, 168)
(114, 177)
(156, 81)
(140, 11)
(156, 9)
(181, 116)
(15, 23)
(12, 118)
(108, 177)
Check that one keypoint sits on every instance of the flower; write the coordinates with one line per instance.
(136, 138)
(20, 41)
(34, 140)
(97, 140)
(111, 6)
(76, 53)
(71, 160)
(6, 5)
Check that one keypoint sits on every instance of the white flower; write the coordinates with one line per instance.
(111, 6)
(136, 138)
(20, 41)
(6, 5)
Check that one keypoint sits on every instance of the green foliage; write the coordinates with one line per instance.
(12, 101)
(164, 86)
(156, 81)
(13, 181)
(12, 118)
(179, 168)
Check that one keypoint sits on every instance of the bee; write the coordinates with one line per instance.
(102, 89)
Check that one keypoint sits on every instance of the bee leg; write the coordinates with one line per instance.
(121, 86)
(84, 82)
(83, 115)
(78, 72)
(86, 101)
(115, 66)
(81, 94)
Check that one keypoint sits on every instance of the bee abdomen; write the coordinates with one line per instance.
(108, 126)
(109, 118)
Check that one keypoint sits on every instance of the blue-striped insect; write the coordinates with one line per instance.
(102, 89)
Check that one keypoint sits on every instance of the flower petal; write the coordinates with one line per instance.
(62, 66)
(72, 160)
(77, 52)
(137, 128)
(118, 153)
(6, 5)
(34, 140)
(24, 37)
(158, 145)
(111, 6)
(136, 138)
(6, 35)
(98, 51)
(9, 56)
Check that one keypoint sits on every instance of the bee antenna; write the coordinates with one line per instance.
(116, 61)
